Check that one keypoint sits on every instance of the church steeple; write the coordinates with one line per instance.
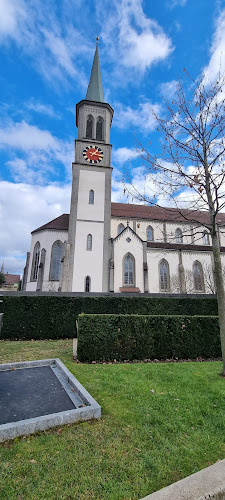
(95, 89)
(88, 253)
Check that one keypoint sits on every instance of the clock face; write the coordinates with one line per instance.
(93, 154)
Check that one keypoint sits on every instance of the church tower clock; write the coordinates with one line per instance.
(87, 253)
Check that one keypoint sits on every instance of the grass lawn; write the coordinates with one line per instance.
(144, 441)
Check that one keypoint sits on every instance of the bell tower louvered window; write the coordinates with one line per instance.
(89, 127)
(99, 129)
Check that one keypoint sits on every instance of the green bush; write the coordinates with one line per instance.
(50, 317)
(128, 337)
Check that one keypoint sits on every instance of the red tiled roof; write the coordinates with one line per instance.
(61, 223)
(11, 279)
(124, 210)
(127, 211)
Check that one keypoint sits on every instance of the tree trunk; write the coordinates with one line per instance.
(220, 292)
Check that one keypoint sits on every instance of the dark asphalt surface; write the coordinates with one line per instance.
(31, 392)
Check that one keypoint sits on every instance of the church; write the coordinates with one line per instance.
(115, 247)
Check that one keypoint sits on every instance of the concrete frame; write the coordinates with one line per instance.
(74, 390)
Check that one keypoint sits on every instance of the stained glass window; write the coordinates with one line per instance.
(128, 270)
(57, 254)
(36, 257)
(164, 275)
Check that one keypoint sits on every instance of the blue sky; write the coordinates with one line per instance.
(47, 49)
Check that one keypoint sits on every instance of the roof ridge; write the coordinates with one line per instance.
(145, 212)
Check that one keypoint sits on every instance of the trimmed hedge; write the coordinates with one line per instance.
(51, 317)
(124, 337)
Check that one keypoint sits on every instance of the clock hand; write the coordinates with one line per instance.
(95, 153)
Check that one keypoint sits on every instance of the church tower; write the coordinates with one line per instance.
(87, 253)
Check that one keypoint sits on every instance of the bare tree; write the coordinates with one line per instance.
(190, 172)
(208, 280)
(209, 277)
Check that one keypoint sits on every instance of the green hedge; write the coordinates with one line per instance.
(50, 317)
(129, 337)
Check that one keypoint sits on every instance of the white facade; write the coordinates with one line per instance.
(128, 243)
(46, 238)
(91, 181)
(88, 262)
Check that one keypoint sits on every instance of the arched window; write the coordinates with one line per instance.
(91, 197)
(89, 127)
(164, 277)
(120, 228)
(150, 234)
(198, 276)
(89, 242)
(205, 238)
(178, 235)
(56, 258)
(35, 263)
(87, 285)
(99, 129)
(128, 270)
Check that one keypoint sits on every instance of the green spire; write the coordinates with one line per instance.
(95, 89)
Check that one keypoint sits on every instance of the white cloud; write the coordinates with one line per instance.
(169, 89)
(47, 36)
(141, 117)
(45, 109)
(23, 208)
(60, 51)
(118, 194)
(54, 39)
(12, 13)
(126, 186)
(176, 3)
(141, 50)
(21, 172)
(217, 51)
(122, 155)
(39, 152)
(132, 39)
(24, 136)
